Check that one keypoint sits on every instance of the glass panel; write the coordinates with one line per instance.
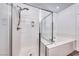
(46, 25)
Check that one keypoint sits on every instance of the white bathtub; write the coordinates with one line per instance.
(61, 47)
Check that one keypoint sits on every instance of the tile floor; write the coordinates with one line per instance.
(74, 53)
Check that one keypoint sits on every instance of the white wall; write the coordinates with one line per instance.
(65, 22)
(5, 17)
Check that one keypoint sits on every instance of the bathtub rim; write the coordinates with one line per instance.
(55, 44)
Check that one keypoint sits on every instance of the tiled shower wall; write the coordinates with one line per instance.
(26, 40)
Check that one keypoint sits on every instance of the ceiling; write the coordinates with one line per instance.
(55, 7)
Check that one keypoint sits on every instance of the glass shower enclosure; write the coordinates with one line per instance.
(46, 25)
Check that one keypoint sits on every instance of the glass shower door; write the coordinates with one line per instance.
(46, 25)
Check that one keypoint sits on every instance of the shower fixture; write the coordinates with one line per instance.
(19, 12)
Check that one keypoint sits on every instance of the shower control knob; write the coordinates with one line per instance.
(32, 23)
(18, 28)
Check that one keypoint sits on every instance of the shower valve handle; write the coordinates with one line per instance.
(18, 28)
(32, 23)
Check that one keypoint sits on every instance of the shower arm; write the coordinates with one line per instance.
(19, 12)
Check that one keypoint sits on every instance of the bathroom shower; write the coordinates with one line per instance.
(25, 28)
(20, 30)
(38, 29)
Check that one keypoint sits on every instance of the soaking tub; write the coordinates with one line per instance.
(61, 46)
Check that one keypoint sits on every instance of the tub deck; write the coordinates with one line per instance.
(61, 47)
